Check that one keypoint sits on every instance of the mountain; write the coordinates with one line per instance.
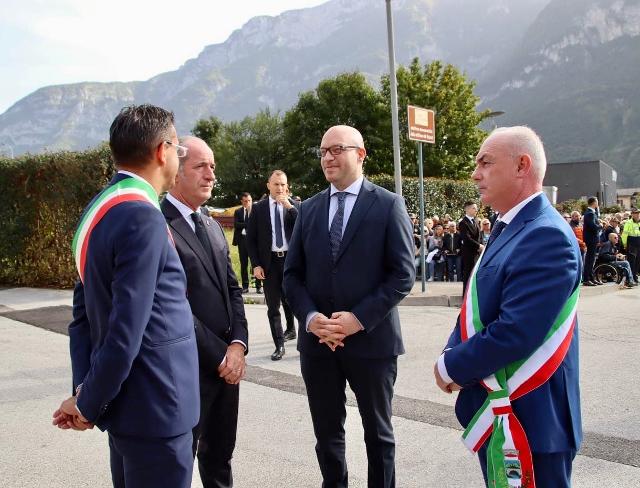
(568, 68)
(574, 78)
(270, 60)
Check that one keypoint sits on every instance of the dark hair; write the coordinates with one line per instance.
(245, 194)
(136, 132)
(468, 203)
(591, 200)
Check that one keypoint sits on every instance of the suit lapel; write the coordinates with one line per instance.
(365, 199)
(218, 246)
(530, 211)
(180, 227)
(320, 224)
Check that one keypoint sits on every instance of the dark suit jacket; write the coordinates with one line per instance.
(259, 232)
(469, 236)
(591, 227)
(212, 288)
(132, 342)
(239, 223)
(373, 272)
(523, 281)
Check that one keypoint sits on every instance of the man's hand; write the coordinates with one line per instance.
(68, 416)
(329, 331)
(349, 323)
(258, 272)
(446, 387)
(284, 201)
(232, 369)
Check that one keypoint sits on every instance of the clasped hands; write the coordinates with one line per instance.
(67, 416)
(332, 331)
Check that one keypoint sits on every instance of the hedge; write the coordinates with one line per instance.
(43, 195)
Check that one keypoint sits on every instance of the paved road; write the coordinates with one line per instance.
(275, 441)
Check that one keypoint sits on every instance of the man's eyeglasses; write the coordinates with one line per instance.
(334, 150)
(181, 151)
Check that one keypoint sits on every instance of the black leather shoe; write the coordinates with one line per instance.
(290, 334)
(259, 291)
(245, 290)
(278, 353)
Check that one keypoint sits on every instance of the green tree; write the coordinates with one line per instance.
(458, 137)
(346, 99)
(246, 153)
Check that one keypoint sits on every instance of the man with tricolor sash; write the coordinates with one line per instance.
(133, 350)
(514, 351)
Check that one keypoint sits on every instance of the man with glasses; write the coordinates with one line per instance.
(350, 262)
(133, 350)
(268, 234)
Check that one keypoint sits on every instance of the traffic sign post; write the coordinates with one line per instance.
(422, 128)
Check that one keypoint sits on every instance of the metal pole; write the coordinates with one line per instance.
(422, 246)
(397, 172)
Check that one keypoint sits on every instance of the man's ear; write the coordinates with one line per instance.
(161, 153)
(525, 165)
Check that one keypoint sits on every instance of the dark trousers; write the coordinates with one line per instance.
(633, 256)
(468, 262)
(243, 254)
(589, 262)
(214, 438)
(274, 295)
(551, 470)
(148, 462)
(453, 267)
(372, 381)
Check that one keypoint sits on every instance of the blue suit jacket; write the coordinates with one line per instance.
(524, 279)
(132, 338)
(373, 272)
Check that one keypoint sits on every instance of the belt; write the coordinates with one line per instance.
(279, 254)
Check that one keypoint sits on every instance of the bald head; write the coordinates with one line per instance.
(521, 140)
(344, 154)
(349, 134)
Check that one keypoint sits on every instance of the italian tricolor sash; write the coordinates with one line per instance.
(509, 462)
(126, 190)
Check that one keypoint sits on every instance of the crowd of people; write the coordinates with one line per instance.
(612, 239)
(159, 333)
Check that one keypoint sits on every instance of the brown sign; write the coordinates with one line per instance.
(422, 124)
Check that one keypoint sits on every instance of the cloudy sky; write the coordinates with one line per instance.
(49, 42)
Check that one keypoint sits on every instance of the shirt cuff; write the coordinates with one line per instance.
(240, 342)
(442, 369)
(310, 316)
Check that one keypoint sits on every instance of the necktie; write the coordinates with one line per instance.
(495, 232)
(278, 225)
(245, 214)
(201, 234)
(335, 231)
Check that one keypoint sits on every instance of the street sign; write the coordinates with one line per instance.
(422, 124)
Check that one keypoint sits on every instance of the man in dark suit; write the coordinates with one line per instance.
(240, 219)
(268, 233)
(514, 349)
(218, 311)
(470, 240)
(132, 343)
(350, 262)
(591, 228)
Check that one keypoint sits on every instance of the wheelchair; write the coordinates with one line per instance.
(607, 272)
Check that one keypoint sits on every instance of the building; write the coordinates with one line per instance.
(629, 198)
(581, 179)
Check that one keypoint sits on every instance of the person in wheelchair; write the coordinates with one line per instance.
(609, 253)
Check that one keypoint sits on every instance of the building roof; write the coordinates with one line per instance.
(627, 192)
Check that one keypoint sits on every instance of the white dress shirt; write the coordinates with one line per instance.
(273, 205)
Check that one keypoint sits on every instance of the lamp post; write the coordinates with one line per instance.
(397, 172)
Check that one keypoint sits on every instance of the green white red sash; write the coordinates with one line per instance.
(509, 462)
(126, 190)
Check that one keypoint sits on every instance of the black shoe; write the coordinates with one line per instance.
(259, 291)
(245, 290)
(278, 353)
(290, 334)
(588, 283)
